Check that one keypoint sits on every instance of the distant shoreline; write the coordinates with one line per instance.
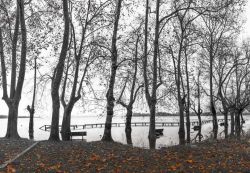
(163, 114)
(6, 116)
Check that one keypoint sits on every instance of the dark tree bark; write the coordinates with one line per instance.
(128, 129)
(13, 100)
(110, 94)
(212, 107)
(188, 100)
(232, 123)
(65, 131)
(182, 52)
(152, 136)
(237, 124)
(151, 98)
(68, 107)
(76, 94)
(57, 77)
(181, 99)
(199, 112)
(31, 108)
(225, 111)
(133, 94)
(226, 123)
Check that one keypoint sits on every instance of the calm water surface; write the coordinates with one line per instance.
(139, 134)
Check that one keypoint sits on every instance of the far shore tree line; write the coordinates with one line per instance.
(183, 54)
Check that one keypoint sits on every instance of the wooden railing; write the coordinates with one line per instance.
(133, 124)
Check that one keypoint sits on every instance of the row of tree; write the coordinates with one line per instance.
(154, 52)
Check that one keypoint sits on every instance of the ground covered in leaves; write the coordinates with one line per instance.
(218, 156)
(10, 148)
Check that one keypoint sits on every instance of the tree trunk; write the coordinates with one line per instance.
(110, 95)
(181, 101)
(232, 123)
(212, 107)
(128, 129)
(54, 133)
(237, 125)
(32, 108)
(182, 124)
(225, 111)
(151, 135)
(199, 106)
(16, 90)
(200, 124)
(213, 111)
(31, 125)
(107, 136)
(65, 131)
(188, 101)
(226, 123)
(242, 119)
(12, 121)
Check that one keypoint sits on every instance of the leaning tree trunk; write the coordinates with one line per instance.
(110, 94)
(54, 133)
(128, 129)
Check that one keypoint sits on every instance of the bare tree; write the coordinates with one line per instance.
(16, 85)
(216, 25)
(152, 97)
(31, 108)
(133, 93)
(57, 77)
(79, 53)
(198, 111)
(110, 94)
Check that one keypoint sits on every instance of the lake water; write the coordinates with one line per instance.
(139, 134)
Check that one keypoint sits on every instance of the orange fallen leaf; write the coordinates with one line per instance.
(10, 169)
(95, 157)
(190, 161)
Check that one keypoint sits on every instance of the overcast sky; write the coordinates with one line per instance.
(26, 99)
(246, 31)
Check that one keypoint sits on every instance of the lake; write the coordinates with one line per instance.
(139, 134)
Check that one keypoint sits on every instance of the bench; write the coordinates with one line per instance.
(196, 128)
(77, 134)
(222, 124)
(158, 132)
